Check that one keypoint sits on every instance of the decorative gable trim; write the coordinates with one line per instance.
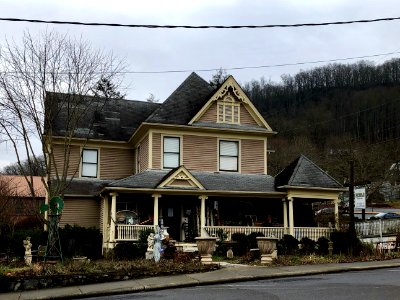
(224, 90)
(181, 177)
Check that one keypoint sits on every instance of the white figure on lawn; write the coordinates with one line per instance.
(157, 244)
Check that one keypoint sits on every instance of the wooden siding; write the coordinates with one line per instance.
(245, 116)
(116, 163)
(156, 151)
(74, 160)
(252, 152)
(200, 153)
(82, 212)
(144, 154)
(210, 116)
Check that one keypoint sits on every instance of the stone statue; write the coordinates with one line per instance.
(150, 242)
(157, 245)
(28, 252)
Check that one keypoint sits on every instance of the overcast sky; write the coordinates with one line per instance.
(193, 49)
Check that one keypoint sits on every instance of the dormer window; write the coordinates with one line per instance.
(228, 111)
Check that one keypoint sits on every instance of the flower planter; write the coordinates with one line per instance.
(267, 246)
(206, 247)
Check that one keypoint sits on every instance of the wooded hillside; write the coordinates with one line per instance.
(333, 114)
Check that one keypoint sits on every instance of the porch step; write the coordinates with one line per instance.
(186, 247)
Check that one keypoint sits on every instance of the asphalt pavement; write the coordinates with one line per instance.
(228, 273)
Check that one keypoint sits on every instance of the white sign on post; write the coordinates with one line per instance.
(359, 198)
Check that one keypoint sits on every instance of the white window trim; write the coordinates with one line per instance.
(239, 170)
(81, 162)
(224, 103)
(180, 149)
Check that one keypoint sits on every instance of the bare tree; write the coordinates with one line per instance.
(42, 79)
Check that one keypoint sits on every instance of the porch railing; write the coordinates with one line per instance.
(313, 233)
(229, 230)
(130, 232)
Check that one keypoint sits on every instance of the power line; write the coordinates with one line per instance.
(148, 26)
(262, 66)
(241, 68)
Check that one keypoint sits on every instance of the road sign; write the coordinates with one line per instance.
(359, 198)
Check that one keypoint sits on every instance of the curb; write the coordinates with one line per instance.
(221, 276)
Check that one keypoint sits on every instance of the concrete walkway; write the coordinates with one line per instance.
(228, 273)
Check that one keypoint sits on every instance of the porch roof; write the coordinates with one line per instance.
(150, 179)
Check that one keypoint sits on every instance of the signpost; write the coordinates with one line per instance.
(359, 200)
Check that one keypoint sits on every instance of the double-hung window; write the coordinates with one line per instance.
(229, 156)
(171, 152)
(89, 163)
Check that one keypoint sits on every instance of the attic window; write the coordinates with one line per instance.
(228, 111)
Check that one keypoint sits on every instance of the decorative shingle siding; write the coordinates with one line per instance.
(74, 160)
(144, 154)
(200, 153)
(210, 116)
(116, 163)
(82, 212)
(245, 117)
(156, 151)
(252, 152)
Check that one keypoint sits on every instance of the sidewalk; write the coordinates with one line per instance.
(228, 273)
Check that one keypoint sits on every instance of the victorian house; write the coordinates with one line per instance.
(195, 164)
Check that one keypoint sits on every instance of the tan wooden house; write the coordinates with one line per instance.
(195, 164)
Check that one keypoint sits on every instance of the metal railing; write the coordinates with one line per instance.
(130, 232)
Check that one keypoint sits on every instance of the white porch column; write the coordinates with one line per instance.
(155, 208)
(285, 214)
(105, 221)
(203, 215)
(113, 215)
(291, 217)
(336, 202)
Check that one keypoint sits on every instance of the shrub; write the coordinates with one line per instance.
(287, 245)
(346, 243)
(129, 250)
(241, 246)
(307, 246)
(13, 243)
(322, 246)
(81, 241)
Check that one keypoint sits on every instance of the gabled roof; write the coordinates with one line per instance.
(302, 172)
(180, 177)
(151, 179)
(230, 85)
(183, 103)
(112, 119)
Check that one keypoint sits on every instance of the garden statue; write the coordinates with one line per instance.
(150, 246)
(157, 245)
(28, 252)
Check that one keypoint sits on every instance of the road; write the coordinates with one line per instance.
(374, 284)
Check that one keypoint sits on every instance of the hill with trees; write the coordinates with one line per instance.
(334, 114)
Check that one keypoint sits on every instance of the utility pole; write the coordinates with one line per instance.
(352, 228)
